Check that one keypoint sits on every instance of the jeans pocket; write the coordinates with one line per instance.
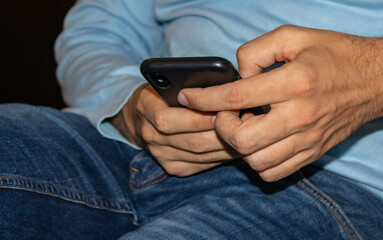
(145, 171)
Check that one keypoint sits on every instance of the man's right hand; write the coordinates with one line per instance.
(182, 140)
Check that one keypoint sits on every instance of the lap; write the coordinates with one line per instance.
(57, 172)
(59, 159)
(62, 154)
(232, 202)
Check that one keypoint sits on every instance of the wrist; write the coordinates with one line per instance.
(374, 71)
(366, 71)
(379, 57)
(127, 119)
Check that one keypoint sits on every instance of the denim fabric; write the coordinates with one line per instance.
(60, 179)
(82, 178)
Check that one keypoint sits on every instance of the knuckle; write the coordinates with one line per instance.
(314, 138)
(242, 142)
(171, 170)
(257, 162)
(170, 167)
(160, 122)
(203, 157)
(304, 81)
(175, 169)
(156, 152)
(310, 83)
(286, 29)
(308, 118)
(253, 162)
(267, 176)
(147, 135)
(236, 98)
(194, 142)
(140, 108)
(242, 51)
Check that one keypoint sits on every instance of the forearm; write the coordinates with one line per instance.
(366, 63)
(99, 53)
(373, 65)
(125, 122)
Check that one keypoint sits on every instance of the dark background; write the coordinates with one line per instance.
(28, 31)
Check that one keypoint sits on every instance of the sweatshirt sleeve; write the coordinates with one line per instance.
(99, 53)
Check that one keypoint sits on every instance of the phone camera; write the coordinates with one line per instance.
(162, 81)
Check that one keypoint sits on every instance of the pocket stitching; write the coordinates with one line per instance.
(135, 171)
(327, 205)
(147, 185)
(88, 203)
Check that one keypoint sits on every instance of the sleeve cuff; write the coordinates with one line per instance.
(117, 97)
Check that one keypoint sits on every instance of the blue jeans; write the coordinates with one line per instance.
(60, 179)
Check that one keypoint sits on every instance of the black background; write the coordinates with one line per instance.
(28, 32)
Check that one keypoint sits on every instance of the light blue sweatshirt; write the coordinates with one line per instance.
(104, 41)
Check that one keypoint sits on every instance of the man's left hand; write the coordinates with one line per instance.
(330, 85)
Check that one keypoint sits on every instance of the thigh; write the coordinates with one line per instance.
(56, 170)
(232, 202)
(31, 215)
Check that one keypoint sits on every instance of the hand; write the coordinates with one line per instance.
(330, 85)
(183, 141)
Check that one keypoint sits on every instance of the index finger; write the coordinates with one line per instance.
(170, 120)
(263, 89)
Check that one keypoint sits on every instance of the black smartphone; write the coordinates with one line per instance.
(169, 75)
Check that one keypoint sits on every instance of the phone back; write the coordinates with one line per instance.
(169, 75)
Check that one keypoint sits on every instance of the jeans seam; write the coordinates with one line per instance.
(62, 188)
(333, 203)
(83, 201)
(329, 207)
(138, 171)
(147, 185)
(148, 179)
(146, 182)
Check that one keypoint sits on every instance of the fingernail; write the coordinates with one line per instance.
(213, 118)
(183, 100)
